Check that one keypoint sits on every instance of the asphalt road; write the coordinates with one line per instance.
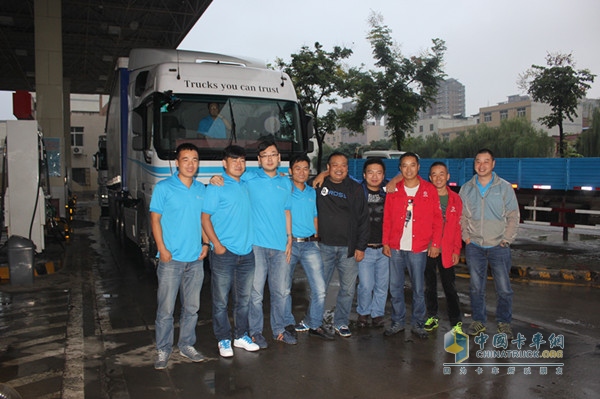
(87, 331)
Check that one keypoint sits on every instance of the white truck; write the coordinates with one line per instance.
(159, 98)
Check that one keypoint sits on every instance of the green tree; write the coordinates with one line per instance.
(400, 87)
(514, 138)
(588, 143)
(318, 76)
(560, 86)
(382, 144)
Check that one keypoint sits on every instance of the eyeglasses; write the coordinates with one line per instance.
(269, 155)
(409, 209)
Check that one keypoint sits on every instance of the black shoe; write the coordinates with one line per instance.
(321, 333)
(362, 321)
(377, 322)
(395, 328)
(292, 330)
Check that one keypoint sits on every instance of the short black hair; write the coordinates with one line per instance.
(406, 155)
(186, 147)
(438, 163)
(336, 154)
(372, 161)
(485, 151)
(299, 158)
(263, 145)
(234, 151)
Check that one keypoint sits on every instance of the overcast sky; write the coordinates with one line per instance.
(489, 42)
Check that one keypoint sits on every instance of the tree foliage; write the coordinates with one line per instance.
(514, 138)
(318, 76)
(560, 86)
(588, 143)
(399, 87)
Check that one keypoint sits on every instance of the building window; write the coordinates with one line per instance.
(521, 112)
(487, 117)
(503, 114)
(420, 128)
(431, 127)
(77, 136)
(81, 176)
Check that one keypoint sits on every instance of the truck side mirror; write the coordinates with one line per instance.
(137, 123)
(137, 143)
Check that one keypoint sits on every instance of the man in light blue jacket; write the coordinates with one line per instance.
(489, 222)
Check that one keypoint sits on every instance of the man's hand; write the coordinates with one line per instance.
(359, 255)
(433, 252)
(217, 180)
(204, 252)
(320, 178)
(165, 256)
(455, 259)
(219, 249)
(387, 251)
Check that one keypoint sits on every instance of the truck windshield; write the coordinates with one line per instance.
(213, 123)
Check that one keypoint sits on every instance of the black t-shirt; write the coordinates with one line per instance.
(335, 212)
(375, 201)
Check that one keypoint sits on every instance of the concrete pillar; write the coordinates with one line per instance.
(50, 97)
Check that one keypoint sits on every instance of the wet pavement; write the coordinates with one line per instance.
(87, 331)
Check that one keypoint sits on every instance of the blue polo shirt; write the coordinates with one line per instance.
(180, 208)
(271, 197)
(304, 211)
(229, 208)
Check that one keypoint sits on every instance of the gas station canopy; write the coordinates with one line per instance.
(94, 34)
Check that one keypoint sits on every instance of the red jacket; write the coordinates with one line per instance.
(427, 217)
(452, 235)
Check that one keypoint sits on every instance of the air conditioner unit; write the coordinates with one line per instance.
(77, 150)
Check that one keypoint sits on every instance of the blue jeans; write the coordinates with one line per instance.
(186, 279)
(231, 272)
(500, 263)
(271, 264)
(336, 258)
(373, 283)
(309, 256)
(415, 263)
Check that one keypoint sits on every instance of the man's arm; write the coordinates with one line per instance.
(288, 229)
(362, 213)
(210, 233)
(320, 178)
(164, 253)
(391, 186)
(464, 219)
(512, 216)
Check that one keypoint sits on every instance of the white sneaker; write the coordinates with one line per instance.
(225, 348)
(245, 342)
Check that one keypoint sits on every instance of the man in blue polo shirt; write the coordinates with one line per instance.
(270, 194)
(305, 249)
(175, 219)
(226, 218)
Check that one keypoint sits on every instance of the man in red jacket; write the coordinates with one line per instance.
(412, 230)
(451, 205)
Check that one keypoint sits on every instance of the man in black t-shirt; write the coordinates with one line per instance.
(374, 269)
(344, 231)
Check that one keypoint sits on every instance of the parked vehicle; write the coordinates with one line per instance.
(382, 154)
(158, 101)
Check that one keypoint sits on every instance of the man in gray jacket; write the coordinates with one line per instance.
(490, 220)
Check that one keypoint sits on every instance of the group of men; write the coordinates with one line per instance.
(257, 225)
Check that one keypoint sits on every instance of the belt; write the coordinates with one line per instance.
(306, 239)
(375, 246)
